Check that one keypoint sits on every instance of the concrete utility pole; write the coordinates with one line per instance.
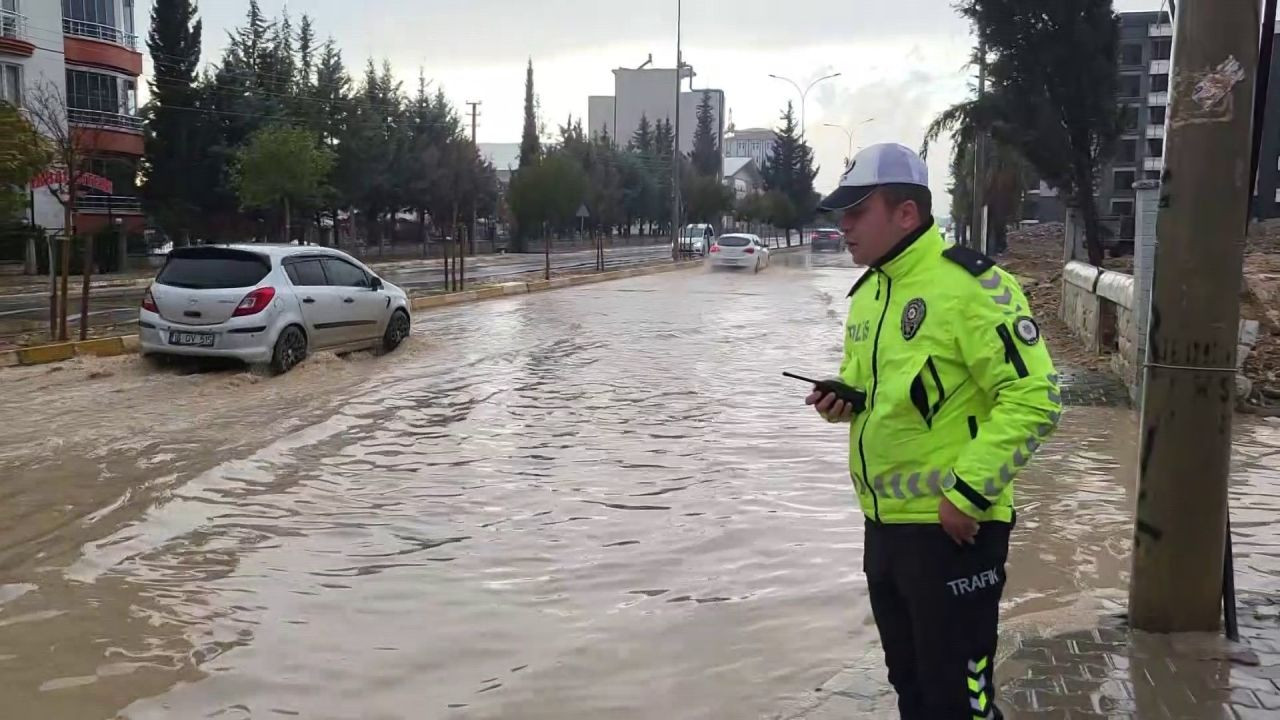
(675, 144)
(471, 237)
(1189, 388)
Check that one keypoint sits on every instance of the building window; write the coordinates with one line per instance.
(1161, 49)
(1122, 207)
(1151, 175)
(1127, 151)
(93, 91)
(126, 13)
(1129, 118)
(11, 84)
(1155, 147)
(1131, 54)
(1159, 83)
(1123, 180)
(100, 12)
(1157, 114)
(1130, 86)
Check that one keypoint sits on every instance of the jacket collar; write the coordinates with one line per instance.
(923, 242)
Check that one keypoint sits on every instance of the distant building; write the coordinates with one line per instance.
(1146, 49)
(1266, 199)
(87, 53)
(505, 158)
(742, 175)
(754, 143)
(651, 93)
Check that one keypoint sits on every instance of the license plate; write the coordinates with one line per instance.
(196, 339)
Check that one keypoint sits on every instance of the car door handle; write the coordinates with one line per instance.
(348, 300)
(308, 300)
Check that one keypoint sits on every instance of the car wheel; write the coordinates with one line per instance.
(291, 349)
(397, 331)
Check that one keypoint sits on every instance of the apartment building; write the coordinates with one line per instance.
(85, 52)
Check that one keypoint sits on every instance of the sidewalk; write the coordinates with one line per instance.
(1105, 673)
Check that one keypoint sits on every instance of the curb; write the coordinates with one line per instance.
(123, 345)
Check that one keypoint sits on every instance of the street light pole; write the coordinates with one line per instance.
(804, 94)
(848, 132)
(675, 145)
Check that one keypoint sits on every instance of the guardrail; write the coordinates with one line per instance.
(99, 118)
(13, 25)
(98, 31)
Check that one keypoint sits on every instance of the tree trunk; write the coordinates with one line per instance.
(64, 304)
(31, 266)
(87, 267)
(122, 248)
(422, 231)
(287, 238)
(1092, 232)
(457, 246)
(53, 287)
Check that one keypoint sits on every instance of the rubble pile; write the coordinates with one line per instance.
(1035, 257)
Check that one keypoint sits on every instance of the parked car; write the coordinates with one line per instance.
(696, 239)
(269, 305)
(826, 240)
(740, 250)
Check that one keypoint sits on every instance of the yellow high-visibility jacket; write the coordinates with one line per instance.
(961, 390)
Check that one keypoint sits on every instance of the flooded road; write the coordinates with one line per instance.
(602, 502)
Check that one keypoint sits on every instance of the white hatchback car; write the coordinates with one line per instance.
(740, 250)
(269, 304)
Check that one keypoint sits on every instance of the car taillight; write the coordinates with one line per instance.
(149, 302)
(715, 248)
(255, 302)
(749, 251)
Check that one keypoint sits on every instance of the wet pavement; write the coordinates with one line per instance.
(597, 502)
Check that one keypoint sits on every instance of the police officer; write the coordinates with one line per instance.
(961, 391)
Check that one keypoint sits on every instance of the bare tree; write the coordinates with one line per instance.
(72, 148)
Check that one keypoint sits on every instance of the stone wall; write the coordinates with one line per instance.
(1098, 307)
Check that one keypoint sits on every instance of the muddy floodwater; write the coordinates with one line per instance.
(602, 502)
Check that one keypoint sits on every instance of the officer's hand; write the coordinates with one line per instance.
(830, 407)
(962, 528)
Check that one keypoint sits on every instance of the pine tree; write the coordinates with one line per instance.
(333, 88)
(642, 139)
(173, 146)
(706, 150)
(306, 56)
(530, 145)
(789, 172)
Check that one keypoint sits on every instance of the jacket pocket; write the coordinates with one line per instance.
(927, 392)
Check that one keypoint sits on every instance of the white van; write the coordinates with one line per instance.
(696, 238)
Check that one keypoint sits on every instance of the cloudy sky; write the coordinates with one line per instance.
(901, 61)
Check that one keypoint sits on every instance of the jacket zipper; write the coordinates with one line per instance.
(875, 381)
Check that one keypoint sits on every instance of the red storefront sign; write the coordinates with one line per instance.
(59, 177)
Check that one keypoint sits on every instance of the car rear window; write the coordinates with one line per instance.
(733, 241)
(213, 268)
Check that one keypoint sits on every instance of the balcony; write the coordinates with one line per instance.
(1160, 30)
(15, 35)
(1161, 67)
(98, 31)
(1158, 99)
(1153, 163)
(99, 119)
(1155, 131)
(109, 204)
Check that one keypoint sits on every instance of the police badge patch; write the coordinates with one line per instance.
(1026, 330)
(912, 318)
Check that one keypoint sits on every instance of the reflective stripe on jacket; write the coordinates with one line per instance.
(961, 389)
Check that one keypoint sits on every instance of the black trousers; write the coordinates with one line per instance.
(937, 607)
